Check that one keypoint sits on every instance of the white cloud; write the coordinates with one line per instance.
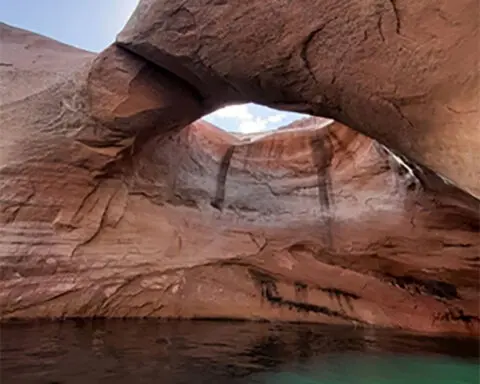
(276, 118)
(244, 120)
(240, 112)
(251, 126)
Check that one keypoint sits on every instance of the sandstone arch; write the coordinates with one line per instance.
(403, 72)
(110, 204)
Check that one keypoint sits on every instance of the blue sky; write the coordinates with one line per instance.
(93, 25)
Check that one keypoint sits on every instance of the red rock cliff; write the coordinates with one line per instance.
(310, 223)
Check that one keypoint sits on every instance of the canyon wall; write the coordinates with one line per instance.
(114, 203)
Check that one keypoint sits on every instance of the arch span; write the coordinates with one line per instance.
(403, 72)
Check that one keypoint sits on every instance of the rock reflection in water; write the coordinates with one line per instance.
(116, 351)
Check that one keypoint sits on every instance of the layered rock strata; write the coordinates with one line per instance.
(114, 203)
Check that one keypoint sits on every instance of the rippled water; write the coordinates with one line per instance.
(224, 352)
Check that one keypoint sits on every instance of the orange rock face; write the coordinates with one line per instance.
(109, 208)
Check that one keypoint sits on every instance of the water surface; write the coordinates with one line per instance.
(116, 351)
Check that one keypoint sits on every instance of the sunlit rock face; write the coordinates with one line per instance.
(115, 203)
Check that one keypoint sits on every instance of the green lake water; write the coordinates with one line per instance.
(204, 352)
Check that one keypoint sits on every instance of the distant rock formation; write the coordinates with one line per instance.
(115, 203)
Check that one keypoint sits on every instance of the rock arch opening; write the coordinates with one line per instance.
(249, 118)
(256, 139)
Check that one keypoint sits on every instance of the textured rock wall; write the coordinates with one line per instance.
(401, 71)
(113, 204)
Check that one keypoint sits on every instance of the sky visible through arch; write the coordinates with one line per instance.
(93, 24)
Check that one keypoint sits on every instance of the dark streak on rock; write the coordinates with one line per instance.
(456, 220)
(303, 53)
(221, 178)
(305, 45)
(379, 26)
(473, 258)
(399, 112)
(322, 154)
(455, 314)
(429, 287)
(397, 16)
(301, 291)
(461, 112)
(272, 296)
(457, 245)
(269, 292)
(339, 293)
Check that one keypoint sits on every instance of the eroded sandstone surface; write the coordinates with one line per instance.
(404, 72)
(114, 202)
